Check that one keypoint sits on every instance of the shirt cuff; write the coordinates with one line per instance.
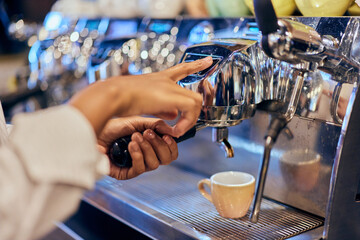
(58, 145)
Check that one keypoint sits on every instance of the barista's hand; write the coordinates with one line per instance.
(152, 94)
(147, 151)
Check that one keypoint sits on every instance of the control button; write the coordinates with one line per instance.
(192, 57)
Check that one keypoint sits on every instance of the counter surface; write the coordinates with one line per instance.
(166, 202)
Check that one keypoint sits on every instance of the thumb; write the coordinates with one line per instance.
(164, 129)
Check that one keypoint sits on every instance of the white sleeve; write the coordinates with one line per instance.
(49, 160)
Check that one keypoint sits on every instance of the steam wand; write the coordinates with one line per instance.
(276, 43)
(276, 125)
(279, 120)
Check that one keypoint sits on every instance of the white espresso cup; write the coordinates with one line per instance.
(231, 192)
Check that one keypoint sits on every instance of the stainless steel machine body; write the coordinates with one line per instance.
(228, 86)
(322, 176)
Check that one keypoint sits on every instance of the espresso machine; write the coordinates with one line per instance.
(294, 83)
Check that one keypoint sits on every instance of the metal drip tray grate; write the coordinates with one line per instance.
(174, 193)
(276, 222)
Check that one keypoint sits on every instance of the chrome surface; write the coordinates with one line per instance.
(307, 50)
(294, 40)
(260, 185)
(295, 95)
(220, 136)
(238, 79)
(226, 88)
(201, 156)
(179, 204)
(315, 234)
(313, 127)
(297, 43)
(335, 102)
(243, 76)
(291, 103)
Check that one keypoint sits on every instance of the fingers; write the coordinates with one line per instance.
(149, 155)
(147, 151)
(172, 146)
(182, 70)
(119, 127)
(187, 120)
(138, 164)
(190, 111)
(165, 148)
(155, 150)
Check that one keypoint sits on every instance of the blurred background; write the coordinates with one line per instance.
(34, 11)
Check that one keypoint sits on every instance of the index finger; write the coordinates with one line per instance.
(184, 69)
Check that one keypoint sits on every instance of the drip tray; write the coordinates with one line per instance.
(168, 196)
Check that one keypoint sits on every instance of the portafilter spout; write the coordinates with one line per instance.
(220, 136)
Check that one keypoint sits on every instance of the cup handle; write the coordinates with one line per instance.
(201, 187)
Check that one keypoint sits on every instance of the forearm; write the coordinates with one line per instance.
(32, 209)
(101, 101)
(47, 163)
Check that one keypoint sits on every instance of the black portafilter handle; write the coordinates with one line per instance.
(267, 22)
(119, 154)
